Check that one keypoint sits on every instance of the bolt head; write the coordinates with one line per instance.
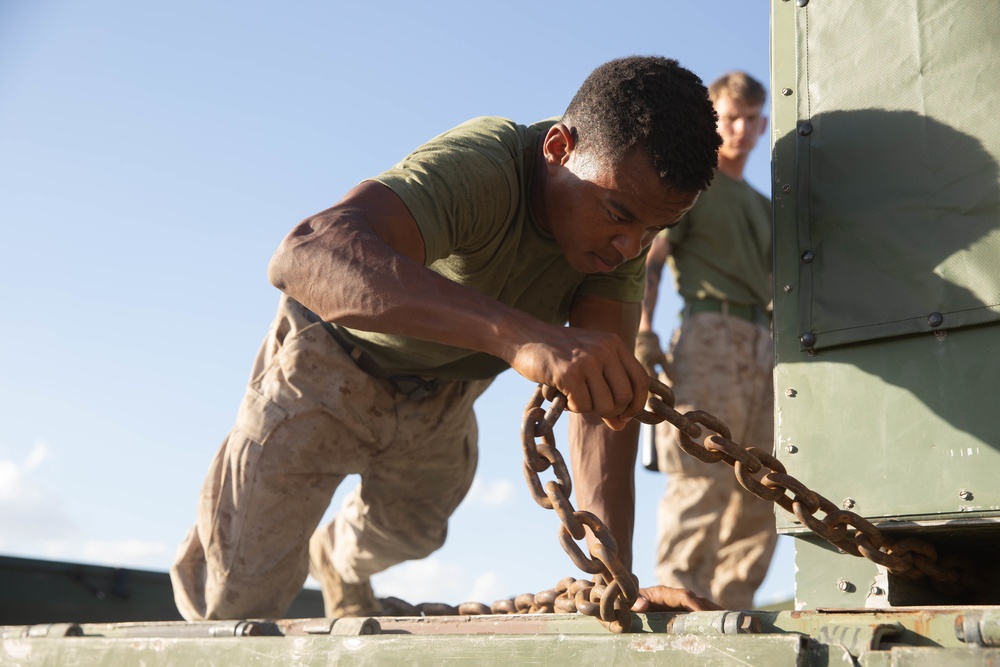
(848, 503)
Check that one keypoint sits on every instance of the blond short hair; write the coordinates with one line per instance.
(739, 86)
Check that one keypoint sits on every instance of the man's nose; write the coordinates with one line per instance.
(629, 244)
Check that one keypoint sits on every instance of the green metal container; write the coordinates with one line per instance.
(887, 278)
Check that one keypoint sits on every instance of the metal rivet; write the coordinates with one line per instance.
(791, 449)
(788, 289)
(940, 335)
(848, 503)
(965, 494)
(790, 393)
(786, 91)
(808, 339)
(811, 352)
(802, 3)
(808, 256)
(877, 590)
(845, 586)
(805, 129)
(935, 319)
(786, 188)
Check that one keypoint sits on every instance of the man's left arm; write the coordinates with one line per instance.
(603, 460)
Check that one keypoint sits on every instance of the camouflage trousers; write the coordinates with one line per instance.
(309, 418)
(715, 538)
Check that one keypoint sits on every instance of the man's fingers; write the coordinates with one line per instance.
(664, 598)
(638, 380)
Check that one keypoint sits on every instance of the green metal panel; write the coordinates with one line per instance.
(382, 650)
(896, 167)
(887, 271)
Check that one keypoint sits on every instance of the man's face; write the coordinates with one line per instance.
(740, 126)
(604, 215)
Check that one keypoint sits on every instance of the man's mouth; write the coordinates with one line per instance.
(605, 266)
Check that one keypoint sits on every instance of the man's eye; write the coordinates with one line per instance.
(616, 218)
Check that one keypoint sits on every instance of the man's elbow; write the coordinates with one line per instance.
(276, 271)
(280, 270)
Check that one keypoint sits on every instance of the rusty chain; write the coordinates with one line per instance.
(613, 591)
(908, 557)
(612, 604)
(757, 471)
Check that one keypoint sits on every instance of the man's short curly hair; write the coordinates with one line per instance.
(655, 103)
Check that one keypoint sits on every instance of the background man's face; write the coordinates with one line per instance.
(740, 126)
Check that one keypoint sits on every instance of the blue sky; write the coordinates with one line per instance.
(152, 156)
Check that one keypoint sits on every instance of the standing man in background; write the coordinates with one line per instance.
(715, 538)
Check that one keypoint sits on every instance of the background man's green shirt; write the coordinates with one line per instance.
(721, 248)
(469, 192)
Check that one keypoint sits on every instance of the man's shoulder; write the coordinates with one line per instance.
(498, 127)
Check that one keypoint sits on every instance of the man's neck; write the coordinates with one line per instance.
(733, 168)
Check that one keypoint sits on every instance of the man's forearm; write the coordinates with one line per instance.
(604, 476)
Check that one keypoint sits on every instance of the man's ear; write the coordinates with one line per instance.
(763, 126)
(559, 143)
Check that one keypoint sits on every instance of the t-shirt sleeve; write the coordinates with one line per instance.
(461, 188)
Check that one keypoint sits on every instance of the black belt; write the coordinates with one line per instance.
(746, 311)
(414, 387)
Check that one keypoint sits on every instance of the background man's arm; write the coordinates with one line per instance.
(360, 264)
(659, 250)
(648, 349)
(604, 460)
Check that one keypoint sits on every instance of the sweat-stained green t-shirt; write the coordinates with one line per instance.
(468, 190)
(721, 248)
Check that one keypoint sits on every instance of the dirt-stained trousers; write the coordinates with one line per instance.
(715, 538)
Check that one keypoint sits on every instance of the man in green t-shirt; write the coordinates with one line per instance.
(715, 538)
(400, 304)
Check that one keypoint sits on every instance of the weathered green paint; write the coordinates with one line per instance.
(848, 637)
(411, 650)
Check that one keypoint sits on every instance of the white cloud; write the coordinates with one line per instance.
(33, 523)
(488, 587)
(38, 455)
(494, 493)
(427, 580)
(124, 553)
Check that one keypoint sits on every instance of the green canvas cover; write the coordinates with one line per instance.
(897, 150)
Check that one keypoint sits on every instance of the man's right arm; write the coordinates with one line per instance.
(360, 264)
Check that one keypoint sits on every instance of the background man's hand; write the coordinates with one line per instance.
(649, 353)
(664, 598)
